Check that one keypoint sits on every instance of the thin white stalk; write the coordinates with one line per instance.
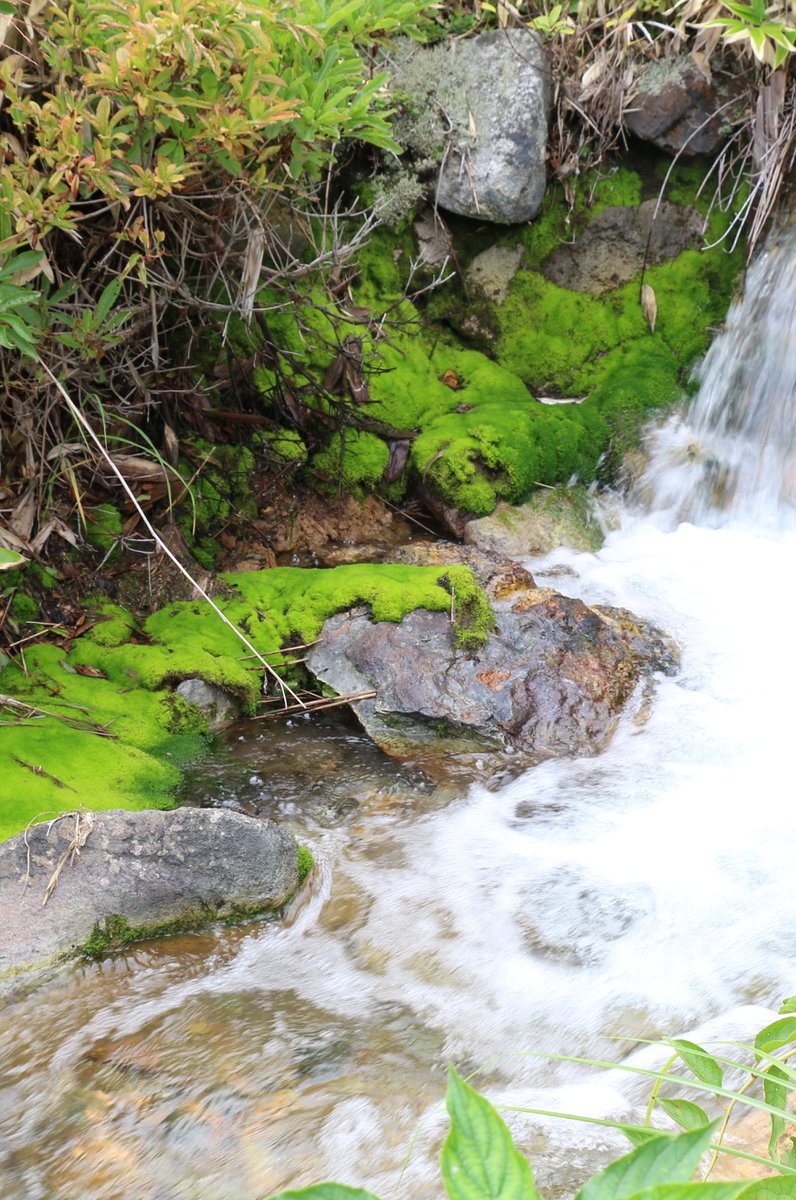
(79, 417)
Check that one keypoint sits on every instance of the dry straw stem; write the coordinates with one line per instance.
(84, 424)
(84, 823)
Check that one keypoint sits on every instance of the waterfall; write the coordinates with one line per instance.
(733, 456)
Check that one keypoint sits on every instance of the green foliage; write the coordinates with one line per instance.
(479, 1161)
(20, 321)
(771, 37)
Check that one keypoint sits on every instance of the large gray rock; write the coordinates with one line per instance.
(500, 175)
(551, 681)
(615, 246)
(136, 874)
(477, 111)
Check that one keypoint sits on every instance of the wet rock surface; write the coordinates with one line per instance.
(614, 247)
(547, 521)
(552, 680)
(149, 869)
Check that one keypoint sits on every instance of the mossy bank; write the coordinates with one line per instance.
(104, 728)
(458, 375)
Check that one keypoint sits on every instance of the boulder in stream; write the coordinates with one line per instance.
(135, 874)
(552, 679)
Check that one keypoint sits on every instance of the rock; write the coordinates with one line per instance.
(564, 517)
(682, 109)
(612, 248)
(136, 874)
(551, 681)
(217, 706)
(478, 110)
(492, 271)
(499, 576)
(572, 917)
(500, 175)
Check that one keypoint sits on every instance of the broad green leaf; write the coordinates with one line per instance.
(789, 1005)
(778, 1033)
(699, 1061)
(10, 560)
(779, 1187)
(686, 1114)
(326, 1191)
(662, 1160)
(478, 1160)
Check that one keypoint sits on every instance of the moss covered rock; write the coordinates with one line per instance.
(103, 728)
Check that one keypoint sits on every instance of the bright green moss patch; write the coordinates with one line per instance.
(114, 625)
(354, 460)
(305, 863)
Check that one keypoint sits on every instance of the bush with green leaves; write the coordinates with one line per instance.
(162, 161)
(480, 1162)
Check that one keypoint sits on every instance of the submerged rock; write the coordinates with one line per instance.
(135, 875)
(551, 681)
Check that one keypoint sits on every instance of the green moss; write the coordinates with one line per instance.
(287, 446)
(103, 527)
(354, 460)
(220, 495)
(473, 619)
(24, 608)
(305, 863)
(124, 735)
(114, 625)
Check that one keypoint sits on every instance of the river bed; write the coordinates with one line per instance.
(633, 894)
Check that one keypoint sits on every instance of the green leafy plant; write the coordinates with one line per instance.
(770, 36)
(480, 1162)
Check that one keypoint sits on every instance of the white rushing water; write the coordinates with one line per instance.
(637, 893)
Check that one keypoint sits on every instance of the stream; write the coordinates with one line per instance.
(588, 901)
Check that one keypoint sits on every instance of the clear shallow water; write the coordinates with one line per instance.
(637, 893)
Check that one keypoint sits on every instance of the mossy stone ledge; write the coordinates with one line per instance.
(105, 729)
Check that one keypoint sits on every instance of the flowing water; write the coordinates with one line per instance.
(633, 894)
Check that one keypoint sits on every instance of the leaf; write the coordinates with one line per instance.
(478, 1160)
(10, 560)
(789, 1005)
(777, 1034)
(703, 1065)
(649, 305)
(686, 1114)
(777, 1188)
(326, 1191)
(666, 1159)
